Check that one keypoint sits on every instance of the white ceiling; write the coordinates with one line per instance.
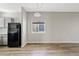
(42, 7)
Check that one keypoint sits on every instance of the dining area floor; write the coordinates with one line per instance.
(42, 49)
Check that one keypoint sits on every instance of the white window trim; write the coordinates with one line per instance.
(40, 31)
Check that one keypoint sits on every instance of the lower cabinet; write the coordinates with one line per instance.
(3, 39)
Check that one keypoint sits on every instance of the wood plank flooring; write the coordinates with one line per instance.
(40, 49)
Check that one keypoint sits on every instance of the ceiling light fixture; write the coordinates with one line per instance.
(37, 13)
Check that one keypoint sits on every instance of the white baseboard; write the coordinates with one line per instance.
(23, 45)
(55, 42)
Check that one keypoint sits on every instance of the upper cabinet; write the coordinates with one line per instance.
(1, 22)
(7, 20)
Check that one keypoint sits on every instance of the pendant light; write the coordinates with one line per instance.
(37, 13)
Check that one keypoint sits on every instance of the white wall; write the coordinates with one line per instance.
(24, 27)
(61, 27)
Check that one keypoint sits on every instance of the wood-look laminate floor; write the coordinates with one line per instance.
(33, 49)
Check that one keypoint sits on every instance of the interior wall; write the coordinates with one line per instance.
(61, 27)
(24, 27)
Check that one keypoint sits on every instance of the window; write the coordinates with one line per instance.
(38, 27)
